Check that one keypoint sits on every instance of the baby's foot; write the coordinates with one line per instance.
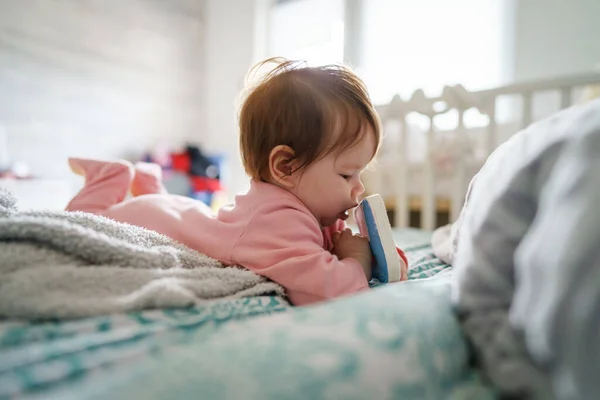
(147, 179)
(89, 168)
(106, 184)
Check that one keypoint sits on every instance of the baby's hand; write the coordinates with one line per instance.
(345, 244)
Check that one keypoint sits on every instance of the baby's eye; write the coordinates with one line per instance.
(346, 177)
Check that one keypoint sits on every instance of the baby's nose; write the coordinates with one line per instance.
(359, 189)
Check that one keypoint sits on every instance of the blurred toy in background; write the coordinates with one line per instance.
(192, 173)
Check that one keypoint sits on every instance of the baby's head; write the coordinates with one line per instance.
(312, 131)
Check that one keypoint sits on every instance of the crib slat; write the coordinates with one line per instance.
(401, 217)
(428, 218)
(460, 174)
(566, 97)
(491, 137)
(527, 111)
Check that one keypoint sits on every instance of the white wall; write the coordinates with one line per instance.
(234, 31)
(547, 39)
(99, 78)
(556, 37)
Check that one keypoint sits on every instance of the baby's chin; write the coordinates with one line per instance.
(328, 221)
(325, 222)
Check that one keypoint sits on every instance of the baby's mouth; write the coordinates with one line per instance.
(345, 214)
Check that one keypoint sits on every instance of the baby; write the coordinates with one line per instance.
(306, 134)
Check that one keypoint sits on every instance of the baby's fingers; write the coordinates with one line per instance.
(335, 237)
(347, 232)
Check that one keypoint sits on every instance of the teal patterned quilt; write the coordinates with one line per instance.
(395, 341)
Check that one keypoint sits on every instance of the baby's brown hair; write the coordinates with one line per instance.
(301, 107)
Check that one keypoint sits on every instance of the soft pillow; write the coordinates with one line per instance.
(527, 262)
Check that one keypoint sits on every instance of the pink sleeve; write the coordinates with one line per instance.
(286, 246)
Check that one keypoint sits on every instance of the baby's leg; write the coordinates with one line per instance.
(147, 179)
(106, 184)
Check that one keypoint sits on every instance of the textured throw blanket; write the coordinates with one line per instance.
(526, 258)
(73, 264)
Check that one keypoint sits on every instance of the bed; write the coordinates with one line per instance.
(397, 341)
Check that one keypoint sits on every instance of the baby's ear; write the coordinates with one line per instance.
(281, 166)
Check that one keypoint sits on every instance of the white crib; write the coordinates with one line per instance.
(434, 178)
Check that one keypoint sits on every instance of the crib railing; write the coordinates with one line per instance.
(459, 99)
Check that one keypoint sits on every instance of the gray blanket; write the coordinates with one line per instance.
(526, 260)
(73, 264)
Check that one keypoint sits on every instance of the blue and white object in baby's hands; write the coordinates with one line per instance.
(373, 223)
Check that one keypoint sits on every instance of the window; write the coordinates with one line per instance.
(403, 45)
(426, 44)
(311, 30)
